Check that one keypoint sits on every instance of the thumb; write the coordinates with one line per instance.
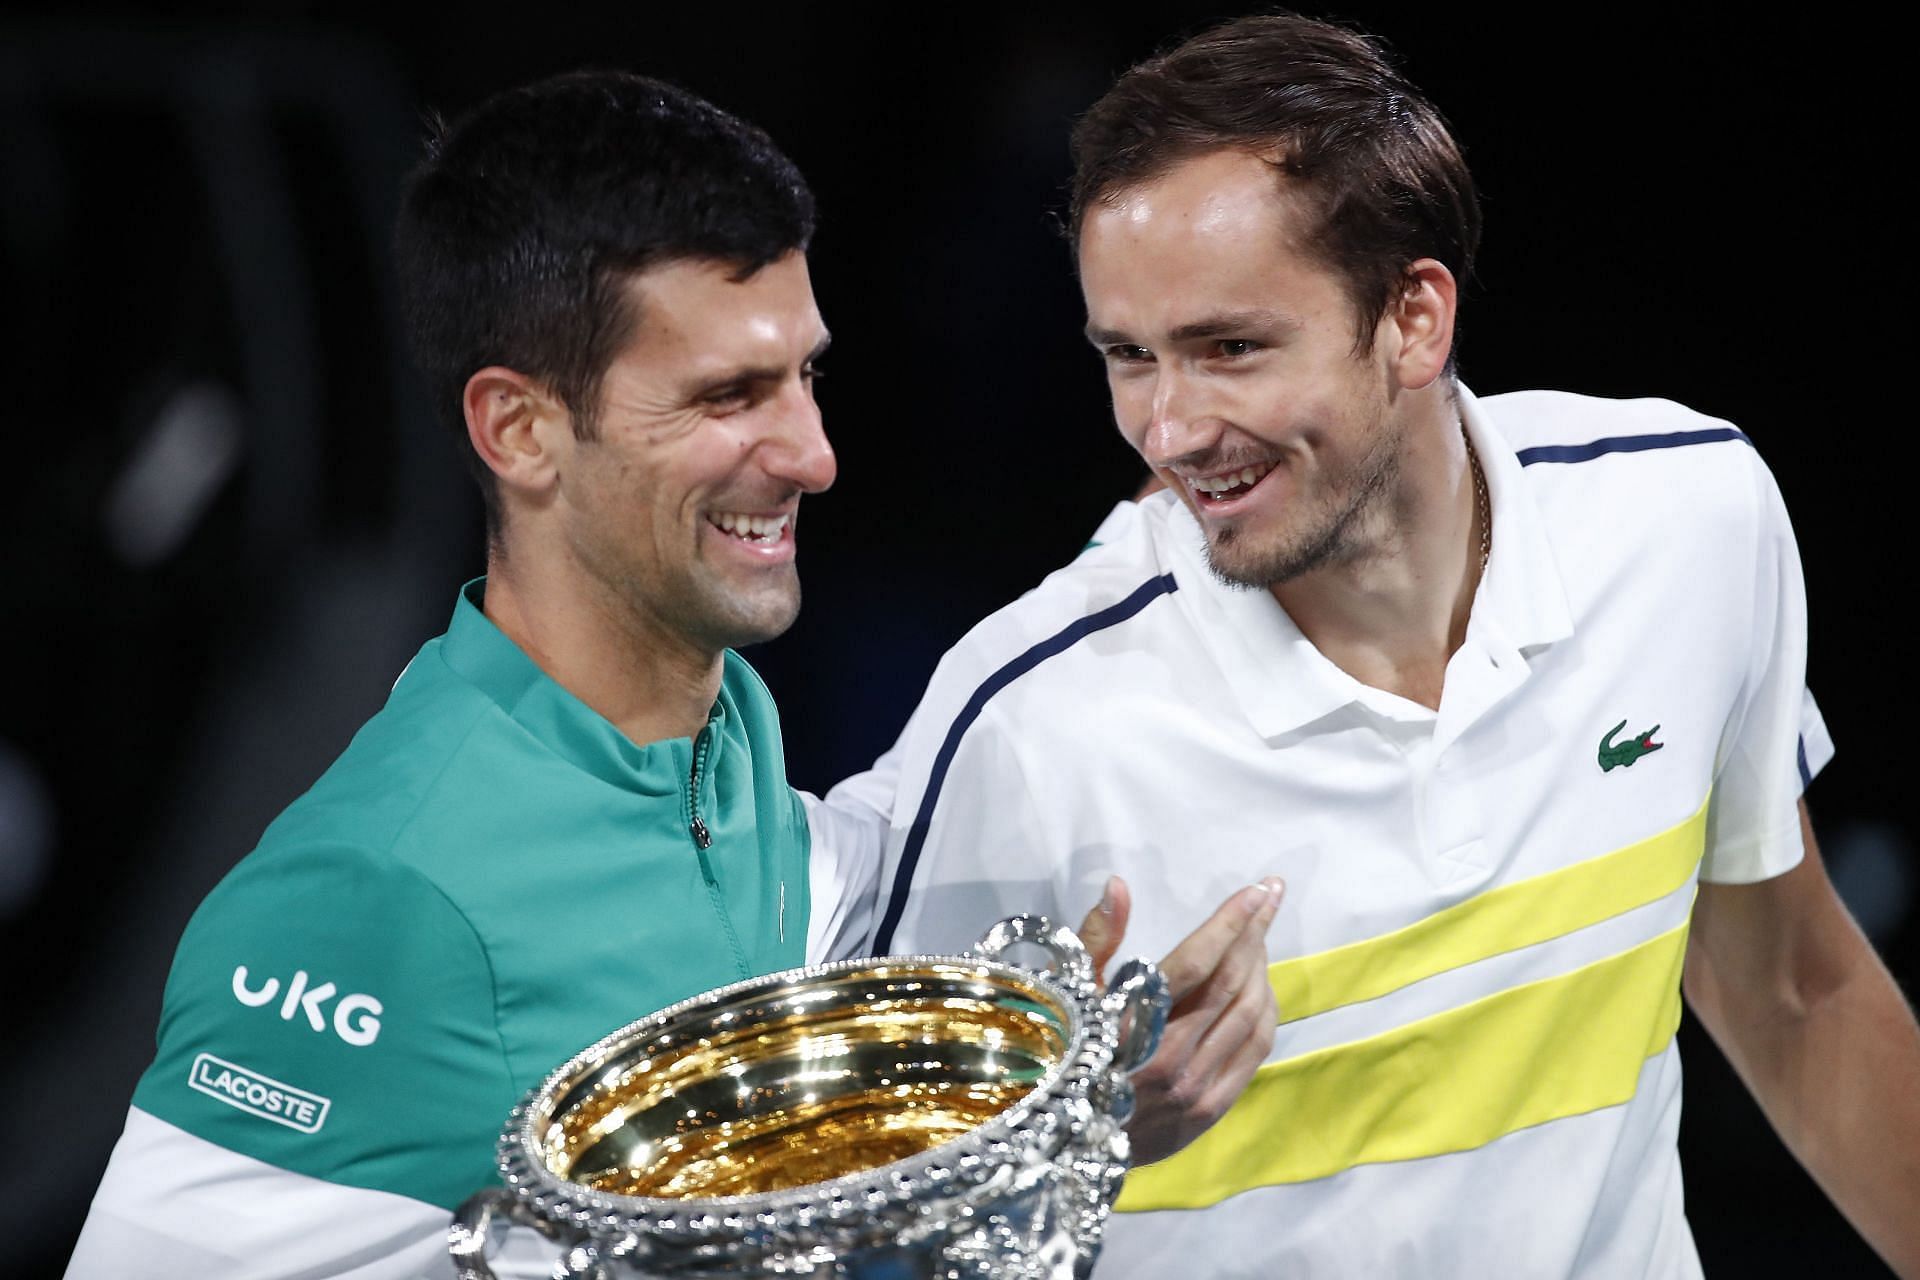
(1106, 924)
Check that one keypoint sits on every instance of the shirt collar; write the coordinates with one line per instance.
(1283, 683)
(480, 653)
(1276, 675)
(1522, 600)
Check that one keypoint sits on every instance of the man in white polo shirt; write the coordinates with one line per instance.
(1510, 692)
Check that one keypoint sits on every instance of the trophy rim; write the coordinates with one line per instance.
(950, 1169)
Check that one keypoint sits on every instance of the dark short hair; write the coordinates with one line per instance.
(1382, 177)
(519, 229)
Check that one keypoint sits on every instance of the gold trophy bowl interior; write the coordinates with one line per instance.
(784, 1088)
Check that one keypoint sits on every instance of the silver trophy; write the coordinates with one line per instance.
(908, 1116)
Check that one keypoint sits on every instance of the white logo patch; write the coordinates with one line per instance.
(355, 1019)
(257, 1094)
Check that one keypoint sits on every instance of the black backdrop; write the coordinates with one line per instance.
(231, 521)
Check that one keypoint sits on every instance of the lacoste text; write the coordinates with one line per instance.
(258, 1095)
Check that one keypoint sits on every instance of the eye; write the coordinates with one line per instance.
(731, 397)
(812, 372)
(1234, 348)
(1127, 353)
(733, 394)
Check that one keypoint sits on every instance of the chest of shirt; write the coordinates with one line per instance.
(598, 905)
(1378, 814)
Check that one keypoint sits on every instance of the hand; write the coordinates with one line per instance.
(1220, 1028)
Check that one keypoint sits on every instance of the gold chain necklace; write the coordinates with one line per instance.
(1481, 506)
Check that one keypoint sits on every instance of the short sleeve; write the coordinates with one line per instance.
(331, 1013)
(1775, 739)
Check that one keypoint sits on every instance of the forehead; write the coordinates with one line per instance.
(1221, 226)
(698, 315)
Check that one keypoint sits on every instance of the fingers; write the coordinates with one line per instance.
(1186, 1089)
(1106, 924)
(1248, 911)
(1231, 1047)
(1222, 1030)
(1245, 960)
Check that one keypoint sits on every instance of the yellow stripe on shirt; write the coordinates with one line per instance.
(1493, 923)
(1558, 1047)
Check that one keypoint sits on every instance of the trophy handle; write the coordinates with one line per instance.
(1070, 959)
(473, 1222)
(1138, 999)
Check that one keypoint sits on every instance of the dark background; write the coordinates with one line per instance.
(231, 521)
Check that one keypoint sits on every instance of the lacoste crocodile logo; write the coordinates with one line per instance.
(1622, 755)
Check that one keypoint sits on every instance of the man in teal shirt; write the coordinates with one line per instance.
(573, 809)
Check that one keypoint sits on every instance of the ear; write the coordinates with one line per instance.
(1421, 324)
(516, 426)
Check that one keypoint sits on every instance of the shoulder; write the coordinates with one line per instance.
(1647, 463)
(401, 759)
(330, 889)
(1039, 677)
(1110, 588)
(324, 1000)
(316, 915)
(1563, 426)
(319, 872)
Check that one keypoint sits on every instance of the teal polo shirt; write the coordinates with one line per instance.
(489, 879)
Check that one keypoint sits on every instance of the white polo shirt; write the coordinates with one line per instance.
(1479, 954)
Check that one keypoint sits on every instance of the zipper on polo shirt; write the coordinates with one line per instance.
(702, 841)
(702, 838)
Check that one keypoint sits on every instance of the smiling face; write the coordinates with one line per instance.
(1232, 362)
(680, 510)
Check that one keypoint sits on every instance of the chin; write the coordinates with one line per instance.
(755, 618)
(1238, 562)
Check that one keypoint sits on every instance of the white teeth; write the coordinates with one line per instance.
(1231, 480)
(750, 528)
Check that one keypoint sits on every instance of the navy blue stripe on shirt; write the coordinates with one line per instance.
(1806, 774)
(1143, 595)
(1627, 444)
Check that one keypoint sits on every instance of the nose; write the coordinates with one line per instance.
(799, 453)
(1178, 424)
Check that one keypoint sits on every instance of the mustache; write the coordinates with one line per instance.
(1223, 460)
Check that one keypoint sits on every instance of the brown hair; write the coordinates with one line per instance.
(1383, 178)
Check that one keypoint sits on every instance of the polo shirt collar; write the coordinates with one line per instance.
(480, 653)
(1522, 601)
(1276, 675)
(1283, 683)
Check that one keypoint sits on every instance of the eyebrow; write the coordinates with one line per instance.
(1220, 325)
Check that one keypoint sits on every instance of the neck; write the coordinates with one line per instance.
(646, 681)
(1392, 612)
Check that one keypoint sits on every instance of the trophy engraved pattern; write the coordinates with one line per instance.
(905, 1116)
